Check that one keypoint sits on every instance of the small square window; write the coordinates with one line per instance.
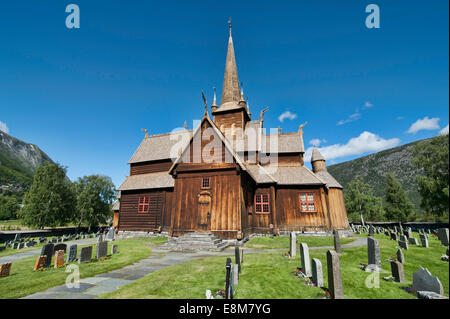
(262, 203)
(143, 204)
(307, 202)
(205, 182)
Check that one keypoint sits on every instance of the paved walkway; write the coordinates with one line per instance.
(92, 287)
(37, 251)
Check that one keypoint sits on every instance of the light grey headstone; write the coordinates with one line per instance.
(293, 244)
(85, 254)
(317, 272)
(306, 262)
(424, 281)
(101, 249)
(110, 234)
(337, 242)
(235, 275)
(114, 249)
(334, 275)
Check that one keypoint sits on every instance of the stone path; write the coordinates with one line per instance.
(37, 251)
(92, 287)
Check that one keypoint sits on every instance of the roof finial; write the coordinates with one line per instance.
(145, 131)
(229, 23)
(261, 115)
(185, 124)
(206, 103)
(214, 100)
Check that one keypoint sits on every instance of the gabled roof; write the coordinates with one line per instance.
(329, 180)
(159, 147)
(293, 175)
(148, 181)
(285, 143)
(222, 137)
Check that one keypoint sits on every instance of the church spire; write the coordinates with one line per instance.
(231, 91)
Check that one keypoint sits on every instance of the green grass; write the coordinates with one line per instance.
(23, 280)
(269, 275)
(279, 242)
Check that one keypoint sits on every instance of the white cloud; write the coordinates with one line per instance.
(4, 127)
(424, 124)
(444, 131)
(354, 117)
(365, 142)
(316, 142)
(287, 115)
(400, 118)
(367, 105)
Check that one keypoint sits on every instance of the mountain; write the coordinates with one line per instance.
(374, 168)
(19, 160)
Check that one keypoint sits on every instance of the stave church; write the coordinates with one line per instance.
(229, 176)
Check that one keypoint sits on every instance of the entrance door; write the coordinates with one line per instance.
(204, 212)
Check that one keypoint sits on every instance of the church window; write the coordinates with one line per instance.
(205, 182)
(307, 202)
(262, 204)
(143, 204)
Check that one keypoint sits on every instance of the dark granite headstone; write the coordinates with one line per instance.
(337, 242)
(229, 280)
(317, 272)
(60, 247)
(397, 271)
(48, 250)
(237, 257)
(400, 256)
(373, 248)
(85, 254)
(72, 253)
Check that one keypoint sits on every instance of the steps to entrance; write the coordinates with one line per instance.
(195, 242)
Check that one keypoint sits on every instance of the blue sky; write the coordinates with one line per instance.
(83, 95)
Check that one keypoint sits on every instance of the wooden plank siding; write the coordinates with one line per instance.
(289, 215)
(150, 167)
(131, 219)
(338, 213)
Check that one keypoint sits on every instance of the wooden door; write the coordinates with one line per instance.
(204, 212)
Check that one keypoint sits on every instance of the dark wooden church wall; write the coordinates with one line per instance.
(129, 217)
(289, 216)
(338, 214)
(150, 167)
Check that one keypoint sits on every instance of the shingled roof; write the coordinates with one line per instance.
(329, 180)
(148, 181)
(158, 147)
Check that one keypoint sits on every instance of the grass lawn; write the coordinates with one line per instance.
(277, 242)
(269, 275)
(24, 281)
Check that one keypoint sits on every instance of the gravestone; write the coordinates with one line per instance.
(306, 263)
(424, 281)
(40, 262)
(317, 272)
(394, 236)
(17, 237)
(5, 269)
(229, 280)
(403, 244)
(397, 271)
(293, 244)
(413, 241)
(114, 249)
(334, 275)
(59, 258)
(373, 248)
(110, 234)
(47, 250)
(443, 236)
(242, 255)
(101, 249)
(237, 257)
(100, 238)
(371, 230)
(20, 246)
(424, 241)
(409, 232)
(337, 242)
(85, 254)
(400, 256)
(60, 247)
(72, 253)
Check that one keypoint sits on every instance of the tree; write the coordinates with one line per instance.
(361, 203)
(9, 206)
(50, 200)
(94, 196)
(433, 158)
(397, 206)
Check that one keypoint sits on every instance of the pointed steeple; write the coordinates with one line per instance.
(318, 161)
(231, 91)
